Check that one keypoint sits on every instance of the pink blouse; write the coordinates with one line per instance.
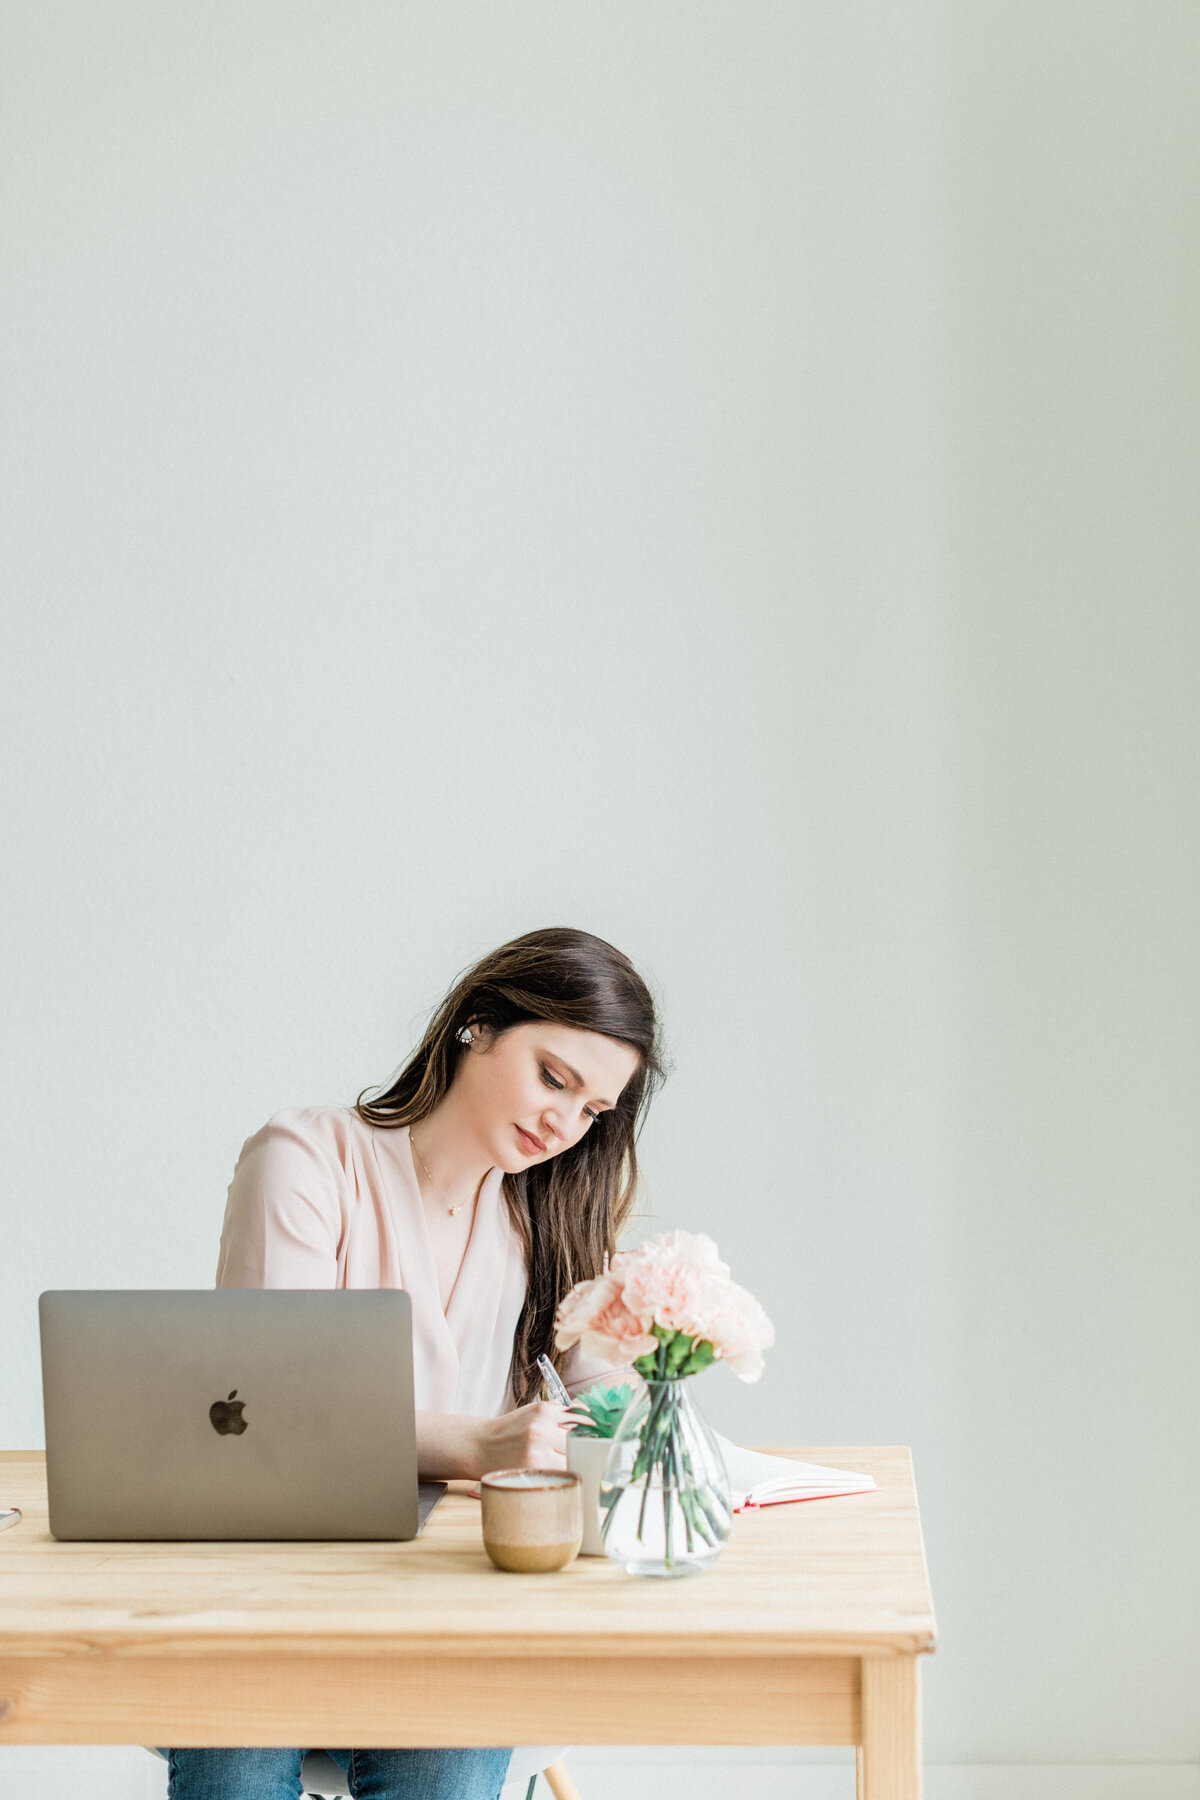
(321, 1199)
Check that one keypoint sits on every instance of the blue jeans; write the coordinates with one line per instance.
(374, 1774)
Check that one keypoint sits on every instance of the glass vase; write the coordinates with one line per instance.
(665, 1506)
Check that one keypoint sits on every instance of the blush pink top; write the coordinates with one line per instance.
(321, 1199)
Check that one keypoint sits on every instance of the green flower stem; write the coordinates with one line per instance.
(698, 1492)
(701, 1497)
(685, 1498)
(667, 1490)
(650, 1450)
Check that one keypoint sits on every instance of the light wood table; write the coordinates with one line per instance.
(807, 1630)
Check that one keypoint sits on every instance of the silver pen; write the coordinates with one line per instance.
(550, 1373)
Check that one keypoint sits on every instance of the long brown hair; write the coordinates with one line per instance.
(569, 1211)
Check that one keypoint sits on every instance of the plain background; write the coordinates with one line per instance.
(723, 476)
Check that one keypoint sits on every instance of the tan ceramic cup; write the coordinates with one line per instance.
(532, 1518)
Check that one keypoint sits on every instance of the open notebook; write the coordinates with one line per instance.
(761, 1480)
(757, 1479)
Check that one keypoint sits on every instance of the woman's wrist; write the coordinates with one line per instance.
(448, 1447)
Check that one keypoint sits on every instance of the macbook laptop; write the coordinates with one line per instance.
(236, 1413)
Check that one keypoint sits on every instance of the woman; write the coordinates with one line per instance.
(495, 1172)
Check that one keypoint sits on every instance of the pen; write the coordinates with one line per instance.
(557, 1390)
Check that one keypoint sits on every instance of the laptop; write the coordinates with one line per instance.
(235, 1413)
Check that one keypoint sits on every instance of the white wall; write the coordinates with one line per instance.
(722, 476)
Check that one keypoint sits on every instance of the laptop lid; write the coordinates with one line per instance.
(235, 1413)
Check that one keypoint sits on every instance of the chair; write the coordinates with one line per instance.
(325, 1779)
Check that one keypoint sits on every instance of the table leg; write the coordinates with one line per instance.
(888, 1761)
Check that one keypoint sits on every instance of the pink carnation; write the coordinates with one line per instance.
(739, 1331)
(594, 1313)
(695, 1247)
(680, 1296)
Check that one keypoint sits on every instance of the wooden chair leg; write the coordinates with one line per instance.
(558, 1779)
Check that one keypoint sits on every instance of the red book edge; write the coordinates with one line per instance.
(795, 1499)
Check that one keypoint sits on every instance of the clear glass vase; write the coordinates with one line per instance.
(665, 1505)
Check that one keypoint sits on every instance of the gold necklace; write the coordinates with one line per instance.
(452, 1210)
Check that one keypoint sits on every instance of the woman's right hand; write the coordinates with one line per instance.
(532, 1437)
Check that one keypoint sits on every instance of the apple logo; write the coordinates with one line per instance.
(226, 1416)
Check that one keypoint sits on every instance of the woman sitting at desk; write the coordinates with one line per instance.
(496, 1171)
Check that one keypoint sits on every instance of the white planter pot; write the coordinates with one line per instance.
(587, 1456)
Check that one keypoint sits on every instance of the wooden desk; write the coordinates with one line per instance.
(807, 1630)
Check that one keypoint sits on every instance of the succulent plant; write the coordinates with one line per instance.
(598, 1411)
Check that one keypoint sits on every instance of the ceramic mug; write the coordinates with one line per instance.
(532, 1518)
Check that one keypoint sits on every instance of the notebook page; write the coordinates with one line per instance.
(753, 1474)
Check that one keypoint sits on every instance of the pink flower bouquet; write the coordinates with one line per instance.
(669, 1308)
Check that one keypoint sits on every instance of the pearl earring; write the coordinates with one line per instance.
(466, 1035)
